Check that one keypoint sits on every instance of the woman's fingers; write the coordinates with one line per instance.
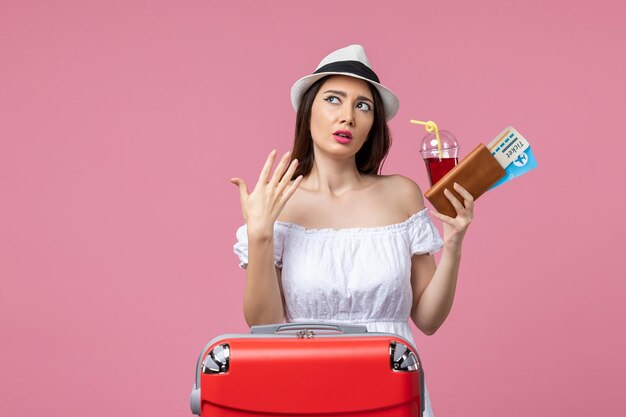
(272, 190)
(243, 188)
(287, 177)
(464, 193)
(280, 169)
(455, 201)
(455, 228)
(469, 199)
(265, 172)
(289, 191)
(243, 194)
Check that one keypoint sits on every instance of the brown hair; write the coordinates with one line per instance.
(369, 159)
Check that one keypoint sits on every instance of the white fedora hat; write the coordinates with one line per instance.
(350, 61)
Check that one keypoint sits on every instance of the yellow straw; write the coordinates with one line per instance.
(430, 127)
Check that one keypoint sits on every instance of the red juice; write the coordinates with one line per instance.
(438, 167)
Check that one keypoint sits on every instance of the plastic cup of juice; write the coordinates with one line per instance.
(439, 160)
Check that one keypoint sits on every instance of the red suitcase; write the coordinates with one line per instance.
(315, 370)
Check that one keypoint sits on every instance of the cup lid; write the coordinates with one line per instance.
(448, 141)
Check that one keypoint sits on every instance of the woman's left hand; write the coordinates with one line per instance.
(454, 228)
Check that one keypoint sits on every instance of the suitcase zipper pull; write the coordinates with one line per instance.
(308, 333)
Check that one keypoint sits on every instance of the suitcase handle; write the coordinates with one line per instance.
(284, 327)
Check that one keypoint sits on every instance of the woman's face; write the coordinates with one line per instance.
(342, 115)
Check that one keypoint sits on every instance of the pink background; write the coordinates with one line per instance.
(122, 121)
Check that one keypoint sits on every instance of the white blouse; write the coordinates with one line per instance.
(352, 276)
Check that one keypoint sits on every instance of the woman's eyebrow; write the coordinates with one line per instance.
(343, 94)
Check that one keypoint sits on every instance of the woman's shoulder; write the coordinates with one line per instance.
(402, 191)
(397, 180)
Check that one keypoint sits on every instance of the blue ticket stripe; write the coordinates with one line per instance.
(504, 143)
(509, 145)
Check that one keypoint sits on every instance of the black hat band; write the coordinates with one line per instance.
(352, 67)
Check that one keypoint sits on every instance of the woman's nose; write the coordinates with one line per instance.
(347, 115)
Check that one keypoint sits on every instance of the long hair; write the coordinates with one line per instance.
(369, 159)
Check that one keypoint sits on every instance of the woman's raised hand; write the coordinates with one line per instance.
(454, 228)
(263, 205)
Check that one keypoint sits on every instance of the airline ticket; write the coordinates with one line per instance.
(514, 154)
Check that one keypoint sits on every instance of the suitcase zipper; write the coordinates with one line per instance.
(305, 333)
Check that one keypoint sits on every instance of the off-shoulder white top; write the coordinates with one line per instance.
(353, 276)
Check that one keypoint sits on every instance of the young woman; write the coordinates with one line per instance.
(327, 238)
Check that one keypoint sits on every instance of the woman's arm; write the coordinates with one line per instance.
(434, 286)
(263, 299)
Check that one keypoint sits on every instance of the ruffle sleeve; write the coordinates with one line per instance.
(241, 246)
(423, 235)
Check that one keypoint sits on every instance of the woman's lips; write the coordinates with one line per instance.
(342, 139)
(342, 136)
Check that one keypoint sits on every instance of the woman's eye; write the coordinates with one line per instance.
(364, 106)
(332, 99)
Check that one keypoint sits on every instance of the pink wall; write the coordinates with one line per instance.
(121, 122)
